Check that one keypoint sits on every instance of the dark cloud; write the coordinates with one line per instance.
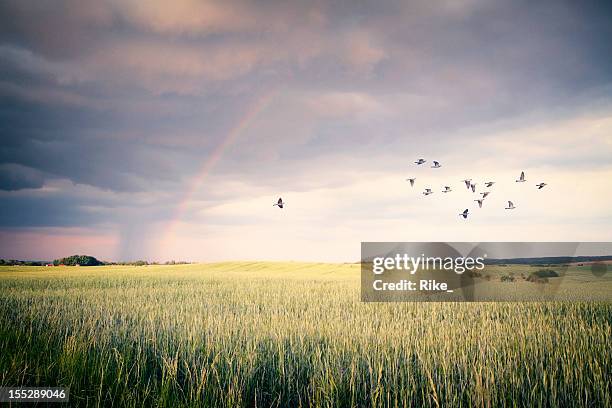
(45, 211)
(16, 177)
(61, 29)
(132, 101)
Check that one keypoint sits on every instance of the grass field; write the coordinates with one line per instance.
(289, 334)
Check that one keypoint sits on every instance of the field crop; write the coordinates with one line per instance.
(290, 335)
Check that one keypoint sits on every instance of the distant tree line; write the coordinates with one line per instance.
(15, 262)
(83, 260)
(145, 263)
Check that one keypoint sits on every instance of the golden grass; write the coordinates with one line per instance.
(288, 334)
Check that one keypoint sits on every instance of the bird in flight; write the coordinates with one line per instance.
(489, 184)
(420, 161)
(540, 186)
(447, 189)
(464, 214)
(479, 202)
(411, 180)
(279, 203)
(522, 178)
(436, 165)
(485, 194)
(510, 206)
(467, 183)
(427, 191)
(473, 187)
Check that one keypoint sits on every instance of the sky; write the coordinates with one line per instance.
(166, 130)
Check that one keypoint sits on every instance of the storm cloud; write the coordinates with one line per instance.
(128, 117)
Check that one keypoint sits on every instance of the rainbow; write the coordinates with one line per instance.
(258, 106)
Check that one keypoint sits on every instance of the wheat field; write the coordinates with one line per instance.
(289, 335)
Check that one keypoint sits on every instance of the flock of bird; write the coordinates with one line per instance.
(470, 186)
(447, 189)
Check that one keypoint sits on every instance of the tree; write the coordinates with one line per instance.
(81, 260)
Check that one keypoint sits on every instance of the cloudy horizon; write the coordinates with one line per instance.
(167, 130)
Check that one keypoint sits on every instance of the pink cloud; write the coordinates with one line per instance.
(362, 52)
(52, 243)
(187, 16)
(344, 104)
